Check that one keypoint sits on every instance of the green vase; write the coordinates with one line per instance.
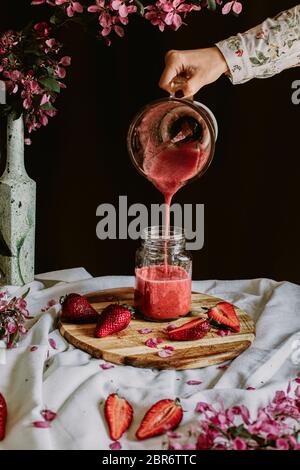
(17, 212)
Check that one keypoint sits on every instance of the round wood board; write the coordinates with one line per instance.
(128, 346)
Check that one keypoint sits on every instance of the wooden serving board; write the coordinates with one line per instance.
(128, 346)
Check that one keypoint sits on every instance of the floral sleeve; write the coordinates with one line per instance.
(264, 50)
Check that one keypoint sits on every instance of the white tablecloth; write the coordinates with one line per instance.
(70, 382)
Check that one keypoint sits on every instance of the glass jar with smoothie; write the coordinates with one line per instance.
(163, 275)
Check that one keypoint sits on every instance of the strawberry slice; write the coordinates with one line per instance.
(192, 330)
(224, 315)
(119, 414)
(3, 417)
(76, 309)
(163, 416)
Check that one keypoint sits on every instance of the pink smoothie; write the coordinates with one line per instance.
(162, 292)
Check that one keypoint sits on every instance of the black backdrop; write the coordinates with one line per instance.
(251, 191)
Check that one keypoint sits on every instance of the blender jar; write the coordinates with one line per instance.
(175, 132)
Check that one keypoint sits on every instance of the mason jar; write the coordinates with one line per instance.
(163, 275)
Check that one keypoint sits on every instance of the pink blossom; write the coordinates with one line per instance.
(123, 8)
(112, 17)
(42, 29)
(65, 61)
(72, 6)
(11, 328)
(239, 411)
(168, 13)
(194, 382)
(282, 444)
(203, 407)
(21, 304)
(22, 329)
(239, 444)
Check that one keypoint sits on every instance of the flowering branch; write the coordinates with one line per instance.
(31, 63)
(13, 315)
(276, 426)
(33, 69)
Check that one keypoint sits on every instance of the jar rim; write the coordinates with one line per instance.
(157, 233)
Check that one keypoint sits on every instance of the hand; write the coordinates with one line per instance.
(186, 72)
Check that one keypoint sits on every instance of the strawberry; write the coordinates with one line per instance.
(223, 315)
(191, 330)
(114, 318)
(3, 417)
(76, 309)
(164, 416)
(119, 414)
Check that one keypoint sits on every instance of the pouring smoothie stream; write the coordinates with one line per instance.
(171, 142)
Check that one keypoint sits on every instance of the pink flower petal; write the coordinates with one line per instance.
(168, 348)
(106, 366)
(237, 7)
(227, 8)
(250, 388)
(297, 381)
(48, 415)
(194, 382)
(165, 353)
(169, 328)
(115, 445)
(52, 343)
(224, 332)
(34, 348)
(66, 61)
(41, 424)
(144, 331)
(153, 342)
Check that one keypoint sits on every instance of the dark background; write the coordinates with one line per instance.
(251, 191)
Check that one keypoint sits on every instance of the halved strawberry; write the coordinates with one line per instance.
(191, 330)
(3, 417)
(224, 314)
(164, 416)
(119, 414)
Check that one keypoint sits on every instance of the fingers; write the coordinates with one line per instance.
(177, 80)
(191, 86)
(171, 69)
